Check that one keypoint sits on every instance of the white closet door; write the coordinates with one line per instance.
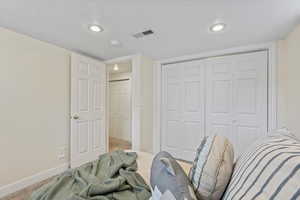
(183, 108)
(120, 110)
(236, 99)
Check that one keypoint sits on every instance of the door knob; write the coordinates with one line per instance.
(75, 117)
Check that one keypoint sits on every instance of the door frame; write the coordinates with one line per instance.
(271, 48)
(136, 106)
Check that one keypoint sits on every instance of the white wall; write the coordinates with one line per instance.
(146, 104)
(289, 82)
(34, 105)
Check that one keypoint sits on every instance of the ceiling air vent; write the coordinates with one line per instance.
(143, 34)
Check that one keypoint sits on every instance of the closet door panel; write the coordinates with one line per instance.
(219, 98)
(250, 98)
(183, 111)
(172, 100)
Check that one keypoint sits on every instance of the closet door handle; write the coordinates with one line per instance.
(75, 117)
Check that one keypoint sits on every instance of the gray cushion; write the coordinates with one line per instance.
(212, 167)
(168, 176)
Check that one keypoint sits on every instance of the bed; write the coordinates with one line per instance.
(117, 175)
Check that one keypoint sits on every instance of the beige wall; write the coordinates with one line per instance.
(34, 105)
(289, 82)
(147, 104)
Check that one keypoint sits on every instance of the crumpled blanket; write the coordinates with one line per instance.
(112, 177)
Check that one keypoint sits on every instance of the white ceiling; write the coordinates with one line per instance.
(180, 26)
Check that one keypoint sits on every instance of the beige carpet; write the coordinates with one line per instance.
(25, 193)
(118, 144)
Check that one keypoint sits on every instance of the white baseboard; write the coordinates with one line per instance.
(25, 182)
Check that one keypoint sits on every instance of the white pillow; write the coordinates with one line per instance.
(212, 167)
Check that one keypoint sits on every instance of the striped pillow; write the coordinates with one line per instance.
(270, 169)
(212, 167)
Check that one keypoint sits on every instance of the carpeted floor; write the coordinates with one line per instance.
(117, 144)
(25, 193)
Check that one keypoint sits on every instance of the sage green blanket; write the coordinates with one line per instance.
(112, 177)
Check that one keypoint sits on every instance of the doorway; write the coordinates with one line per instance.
(120, 105)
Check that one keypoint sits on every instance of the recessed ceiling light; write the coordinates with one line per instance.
(116, 67)
(217, 27)
(95, 28)
(115, 43)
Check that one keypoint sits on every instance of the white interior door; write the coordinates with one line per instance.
(183, 108)
(236, 99)
(87, 109)
(120, 109)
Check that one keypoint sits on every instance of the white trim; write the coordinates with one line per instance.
(273, 87)
(28, 181)
(272, 83)
(156, 107)
(266, 46)
(107, 110)
(135, 101)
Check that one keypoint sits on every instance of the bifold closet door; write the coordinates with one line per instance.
(120, 110)
(183, 108)
(236, 97)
